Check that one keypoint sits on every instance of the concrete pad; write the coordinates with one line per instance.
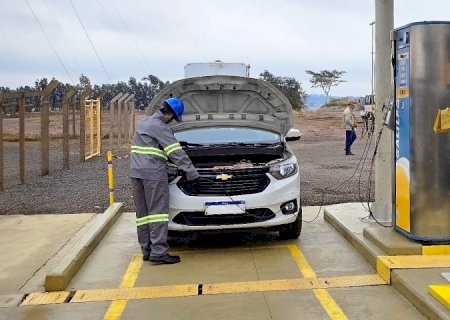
(56, 312)
(413, 285)
(329, 253)
(276, 263)
(74, 257)
(375, 303)
(350, 219)
(391, 242)
(28, 242)
(223, 307)
(12, 300)
(294, 305)
(201, 267)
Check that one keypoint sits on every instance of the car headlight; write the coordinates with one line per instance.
(284, 169)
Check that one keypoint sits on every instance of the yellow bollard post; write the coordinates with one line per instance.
(110, 178)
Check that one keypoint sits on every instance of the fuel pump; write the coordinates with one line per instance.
(422, 153)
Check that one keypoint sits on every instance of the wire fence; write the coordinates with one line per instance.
(39, 135)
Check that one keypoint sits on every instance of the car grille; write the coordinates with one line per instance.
(243, 181)
(198, 218)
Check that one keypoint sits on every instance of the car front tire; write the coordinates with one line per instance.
(292, 230)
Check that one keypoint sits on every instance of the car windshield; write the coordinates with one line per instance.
(227, 135)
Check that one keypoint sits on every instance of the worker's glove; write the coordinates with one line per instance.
(194, 184)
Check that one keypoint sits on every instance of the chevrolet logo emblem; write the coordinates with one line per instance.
(224, 177)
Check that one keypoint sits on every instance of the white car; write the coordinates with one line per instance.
(234, 129)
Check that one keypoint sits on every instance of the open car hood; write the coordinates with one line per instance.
(229, 101)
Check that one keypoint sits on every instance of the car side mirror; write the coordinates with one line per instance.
(293, 135)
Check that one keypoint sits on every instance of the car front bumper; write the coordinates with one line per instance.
(277, 193)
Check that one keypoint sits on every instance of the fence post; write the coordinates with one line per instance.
(2, 185)
(119, 119)
(69, 95)
(22, 138)
(111, 119)
(83, 97)
(45, 121)
(132, 120)
(128, 116)
(74, 131)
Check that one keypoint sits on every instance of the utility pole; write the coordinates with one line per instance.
(371, 55)
(384, 23)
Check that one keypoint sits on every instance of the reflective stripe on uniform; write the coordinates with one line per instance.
(149, 150)
(152, 218)
(171, 148)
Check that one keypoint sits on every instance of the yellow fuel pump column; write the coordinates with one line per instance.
(422, 153)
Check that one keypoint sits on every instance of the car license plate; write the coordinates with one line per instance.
(224, 207)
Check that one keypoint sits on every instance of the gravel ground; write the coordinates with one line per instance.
(325, 172)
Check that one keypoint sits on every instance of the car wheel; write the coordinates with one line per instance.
(292, 230)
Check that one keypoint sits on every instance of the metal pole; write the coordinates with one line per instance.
(384, 23)
(110, 178)
(371, 54)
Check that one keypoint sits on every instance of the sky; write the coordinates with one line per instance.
(117, 39)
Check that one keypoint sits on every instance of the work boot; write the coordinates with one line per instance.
(167, 259)
(146, 256)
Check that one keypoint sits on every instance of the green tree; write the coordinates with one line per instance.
(290, 87)
(325, 79)
(85, 83)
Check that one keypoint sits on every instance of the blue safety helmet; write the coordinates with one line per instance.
(177, 107)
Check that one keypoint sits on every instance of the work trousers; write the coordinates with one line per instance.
(350, 137)
(152, 215)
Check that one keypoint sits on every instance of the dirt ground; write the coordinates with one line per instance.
(327, 175)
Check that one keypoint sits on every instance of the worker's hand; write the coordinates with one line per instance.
(195, 183)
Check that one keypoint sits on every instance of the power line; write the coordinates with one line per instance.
(90, 41)
(54, 17)
(49, 42)
(124, 37)
(131, 38)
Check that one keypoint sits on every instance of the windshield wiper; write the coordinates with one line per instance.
(189, 144)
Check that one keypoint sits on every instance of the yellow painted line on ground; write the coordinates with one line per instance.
(117, 307)
(441, 292)
(328, 303)
(302, 264)
(326, 300)
(438, 249)
(38, 298)
(386, 263)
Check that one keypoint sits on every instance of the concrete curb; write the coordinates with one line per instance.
(76, 255)
(361, 240)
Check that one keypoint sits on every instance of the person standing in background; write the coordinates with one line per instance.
(350, 125)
